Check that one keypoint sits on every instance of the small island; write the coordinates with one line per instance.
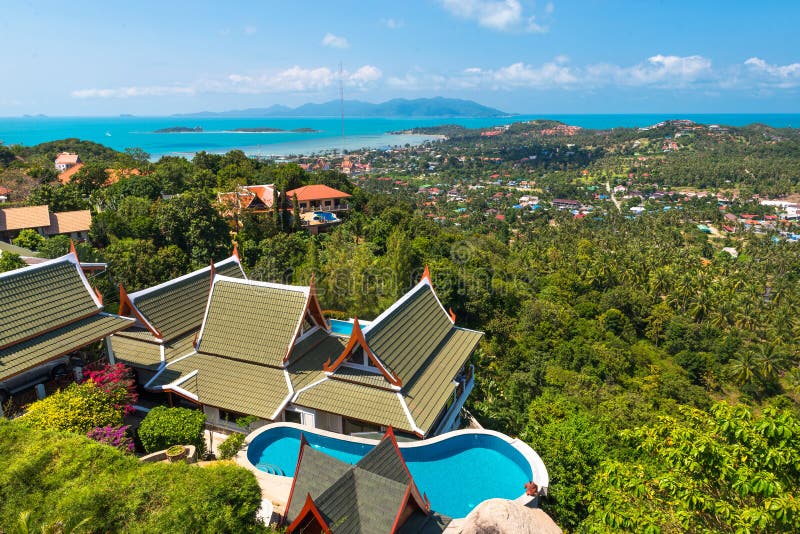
(273, 130)
(180, 129)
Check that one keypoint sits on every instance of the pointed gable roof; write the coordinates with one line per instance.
(48, 310)
(177, 306)
(37, 298)
(256, 322)
(357, 341)
(375, 495)
(405, 335)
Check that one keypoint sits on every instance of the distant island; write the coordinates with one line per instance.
(398, 107)
(442, 129)
(198, 129)
(274, 130)
(180, 129)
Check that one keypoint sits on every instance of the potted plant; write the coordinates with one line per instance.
(176, 453)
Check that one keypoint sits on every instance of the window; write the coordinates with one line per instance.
(353, 426)
(291, 416)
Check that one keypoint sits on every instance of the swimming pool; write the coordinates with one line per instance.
(457, 470)
(342, 328)
(326, 216)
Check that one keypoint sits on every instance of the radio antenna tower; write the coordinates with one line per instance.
(341, 102)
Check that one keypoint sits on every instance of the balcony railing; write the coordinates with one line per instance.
(451, 419)
(333, 207)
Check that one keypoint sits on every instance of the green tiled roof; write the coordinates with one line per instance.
(361, 502)
(228, 384)
(30, 353)
(343, 372)
(309, 343)
(363, 498)
(307, 368)
(36, 299)
(252, 321)
(137, 351)
(404, 338)
(420, 523)
(427, 394)
(356, 401)
(177, 306)
(385, 460)
(317, 472)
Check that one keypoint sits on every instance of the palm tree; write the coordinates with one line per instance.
(743, 368)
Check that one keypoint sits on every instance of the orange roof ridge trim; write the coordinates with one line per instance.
(126, 307)
(357, 339)
(309, 508)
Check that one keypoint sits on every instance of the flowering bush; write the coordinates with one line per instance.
(116, 436)
(78, 408)
(116, 380)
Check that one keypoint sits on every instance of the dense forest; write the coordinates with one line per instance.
(626, 351)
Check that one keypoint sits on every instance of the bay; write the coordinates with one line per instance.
(218, 135)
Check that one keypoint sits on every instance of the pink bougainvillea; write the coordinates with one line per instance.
(116, 436)
(116, 380)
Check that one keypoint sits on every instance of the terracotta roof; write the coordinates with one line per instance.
(67, 222)
(66, 176)
(67, 158)
(27, 217)
(316, 192)
(114, 175)
(263, 192)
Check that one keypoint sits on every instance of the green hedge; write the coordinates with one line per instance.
(64, 477)
(231, 446)
(164, 427)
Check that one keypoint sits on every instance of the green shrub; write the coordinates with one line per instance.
(78, 408)
(164, 427)
(66, 478)
(231, 446)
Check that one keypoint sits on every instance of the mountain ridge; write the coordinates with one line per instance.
(396, 107)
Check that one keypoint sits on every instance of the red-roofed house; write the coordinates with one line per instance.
(72, 223)
(319, 197)
(66, 160)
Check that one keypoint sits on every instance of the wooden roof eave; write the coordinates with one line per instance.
(127, 306)
(357, 339)
(309, 508)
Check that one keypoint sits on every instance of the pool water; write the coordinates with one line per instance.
(325, 216)
(456, 473)
(342, 328)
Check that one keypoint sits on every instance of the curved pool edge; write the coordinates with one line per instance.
(538, 469)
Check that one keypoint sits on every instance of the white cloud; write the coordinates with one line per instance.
(393, 24)
(364, 75)
(334, 41)
(782, 76)
(295, 79)
(501, 15)
(250, 30)
(549, 8)
(134, 91)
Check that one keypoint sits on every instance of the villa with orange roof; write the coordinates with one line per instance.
(74, 224)
(66, 160)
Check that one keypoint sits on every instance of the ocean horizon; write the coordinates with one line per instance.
(218, 135)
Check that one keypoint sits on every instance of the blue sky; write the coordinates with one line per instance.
(591, 56)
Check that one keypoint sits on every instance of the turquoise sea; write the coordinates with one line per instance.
(217, 136)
